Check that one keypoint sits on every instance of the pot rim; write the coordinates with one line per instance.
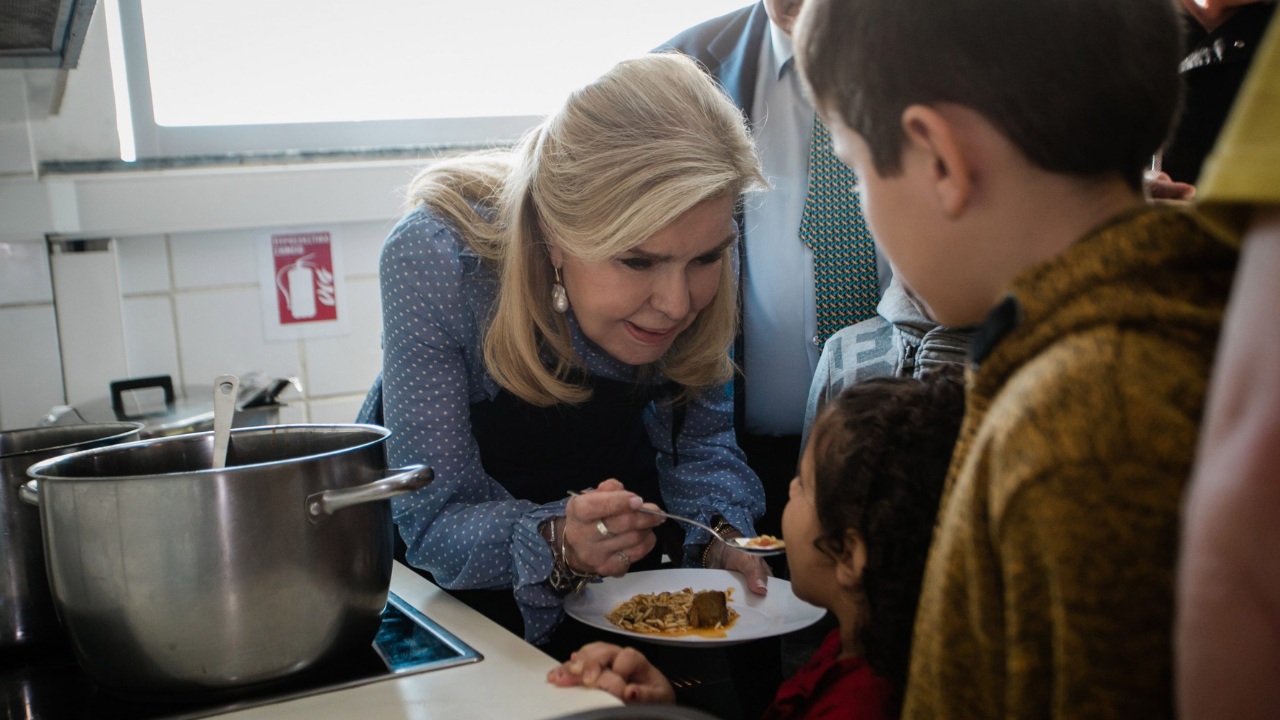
(125, 428)
(36, 470)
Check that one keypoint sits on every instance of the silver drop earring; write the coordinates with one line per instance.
(559, 298)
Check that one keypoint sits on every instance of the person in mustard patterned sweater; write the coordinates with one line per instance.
(1001, 170)
(1050, 586)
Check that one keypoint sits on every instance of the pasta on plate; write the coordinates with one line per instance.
(675, 613)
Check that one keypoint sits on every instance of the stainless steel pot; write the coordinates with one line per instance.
(27, 616)
(171, 577)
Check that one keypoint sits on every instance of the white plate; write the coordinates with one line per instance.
(758, 617)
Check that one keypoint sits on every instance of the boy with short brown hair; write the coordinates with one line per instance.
(1000, 149)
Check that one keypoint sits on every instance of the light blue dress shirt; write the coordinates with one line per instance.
(778, 306)
(780, 320)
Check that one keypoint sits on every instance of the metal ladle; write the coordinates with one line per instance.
(225, 391)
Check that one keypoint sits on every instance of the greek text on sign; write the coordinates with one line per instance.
(304, 277)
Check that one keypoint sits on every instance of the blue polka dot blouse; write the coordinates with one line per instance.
(465, 528)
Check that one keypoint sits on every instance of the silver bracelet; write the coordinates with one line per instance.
(564, 557)
(722, 526)
(564, 579)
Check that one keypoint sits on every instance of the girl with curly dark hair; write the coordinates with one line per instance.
(857, 527)
(859, 523)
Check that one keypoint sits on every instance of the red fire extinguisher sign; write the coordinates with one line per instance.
(304, 277)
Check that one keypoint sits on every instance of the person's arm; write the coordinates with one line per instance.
(1086, 555)
(464, 528)
(1228, 627)
(827, 383)
(712, 477)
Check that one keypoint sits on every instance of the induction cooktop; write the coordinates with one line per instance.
(407, 643)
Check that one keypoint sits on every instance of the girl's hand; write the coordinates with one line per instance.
(624, 673)
(629, 533)
(751, 567)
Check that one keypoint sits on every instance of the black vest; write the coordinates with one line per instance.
(541, 453)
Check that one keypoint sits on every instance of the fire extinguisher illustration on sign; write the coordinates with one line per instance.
(303, 284)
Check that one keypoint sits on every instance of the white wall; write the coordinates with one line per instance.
(85, 127)
(30, 361)
(192, 310)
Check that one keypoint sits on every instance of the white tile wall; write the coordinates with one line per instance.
(293, 413)
(221, 332)
(150, 344)
(90, 322)
(15, 153)
(215, 259)
(191, 309)
(144, 265)
(349, 364)
(361, 245)
(30, 362)
(30, 370)
(336, 410)
(24, 273)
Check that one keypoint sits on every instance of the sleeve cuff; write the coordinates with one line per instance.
(695, 538)
(532, 562)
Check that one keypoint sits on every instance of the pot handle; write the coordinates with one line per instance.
(404, 481)
(29, 492)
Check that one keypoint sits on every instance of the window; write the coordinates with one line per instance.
(230, 76)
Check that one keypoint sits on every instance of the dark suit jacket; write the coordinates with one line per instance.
(729, 47)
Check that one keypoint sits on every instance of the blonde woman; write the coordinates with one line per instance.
(559, 318)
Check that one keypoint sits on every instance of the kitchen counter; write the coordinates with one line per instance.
(510, 683)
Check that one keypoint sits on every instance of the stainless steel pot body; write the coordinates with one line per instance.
(174, 578)
(27, 615)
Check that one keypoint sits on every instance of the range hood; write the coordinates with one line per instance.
(39, 41)
(43, 33)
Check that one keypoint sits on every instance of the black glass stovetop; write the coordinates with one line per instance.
(36, 687)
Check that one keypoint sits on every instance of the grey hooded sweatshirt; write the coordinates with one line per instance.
(899, 341)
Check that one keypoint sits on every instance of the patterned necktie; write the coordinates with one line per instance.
(846, 287)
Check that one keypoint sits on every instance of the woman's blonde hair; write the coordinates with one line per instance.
(624, 157)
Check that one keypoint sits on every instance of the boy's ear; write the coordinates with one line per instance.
(851, 561)
(932, 146)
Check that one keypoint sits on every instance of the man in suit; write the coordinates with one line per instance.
(808, 264)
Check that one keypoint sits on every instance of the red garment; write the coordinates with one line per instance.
(828, 688)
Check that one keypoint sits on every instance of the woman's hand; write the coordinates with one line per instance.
(627, 537)
(624, 673)
(751, 567)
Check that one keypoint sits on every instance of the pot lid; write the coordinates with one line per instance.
(165, 409)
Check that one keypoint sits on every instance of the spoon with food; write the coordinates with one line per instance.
(761, 546)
